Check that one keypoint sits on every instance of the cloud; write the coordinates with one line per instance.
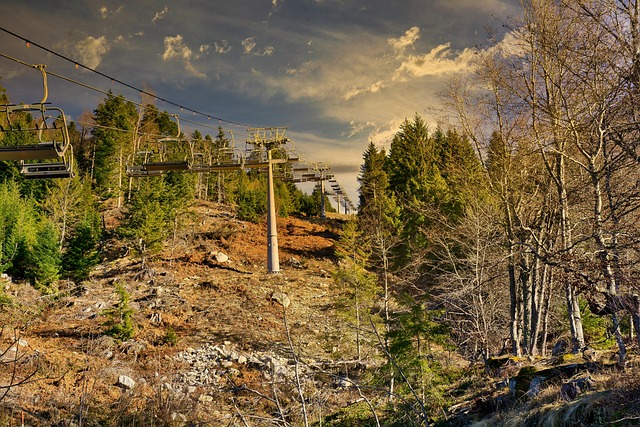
(248, 44)
(176, 49)
(440, 60)
(160, 15)
(306, 67)
(91, 50)
(401, 43)
(222, 48)
(275, 5)
(374, 88)
(105, 13)
(268, 51)
(356, 128)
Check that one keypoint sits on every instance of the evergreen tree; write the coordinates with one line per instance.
(82, 252)
(115, 119)
(146, 223)
(44, 268)
(359, 286)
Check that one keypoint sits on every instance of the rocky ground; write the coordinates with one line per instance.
(216, 336)
(218, 341)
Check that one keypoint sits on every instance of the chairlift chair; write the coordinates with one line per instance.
(53, 140)
(49, 170)
(172, 157)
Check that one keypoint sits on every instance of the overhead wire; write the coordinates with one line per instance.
(93, 88)
(78, 64)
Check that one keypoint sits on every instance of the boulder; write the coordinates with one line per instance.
(125, 382)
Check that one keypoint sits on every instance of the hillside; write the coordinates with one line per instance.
(218, 341)
(204, 326)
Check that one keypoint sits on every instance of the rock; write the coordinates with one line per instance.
(294, 262)
(125, 382)
(535, 386)
(344, 382)
(23, 343)
(220, 257)
(281, 298)
(226, 364)
(573, 388)
(242, 360)
(559, 348)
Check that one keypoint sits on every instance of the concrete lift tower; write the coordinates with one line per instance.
(267, 139)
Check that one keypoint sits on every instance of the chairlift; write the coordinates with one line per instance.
(53, 139)
(172, 156)
(49, 170)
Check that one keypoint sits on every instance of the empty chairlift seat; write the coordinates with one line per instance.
(46, 170)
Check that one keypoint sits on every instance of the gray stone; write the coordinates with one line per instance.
(220, 257)
(126, 382)
(281, 298)
(573, 388)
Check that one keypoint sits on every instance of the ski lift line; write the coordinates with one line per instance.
(95, 89)
(113, 79)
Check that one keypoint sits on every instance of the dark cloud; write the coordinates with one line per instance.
(340, 73)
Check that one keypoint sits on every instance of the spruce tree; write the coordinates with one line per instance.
(45, 259)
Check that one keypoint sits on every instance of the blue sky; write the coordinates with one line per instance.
(339, 73)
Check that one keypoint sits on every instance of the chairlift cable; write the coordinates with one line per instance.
(93, 88)
(113, 79)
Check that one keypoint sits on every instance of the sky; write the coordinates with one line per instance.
(338, 73)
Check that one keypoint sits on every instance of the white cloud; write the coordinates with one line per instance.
(91, 50)
(440, 60)
(160, 15)
(249, 44)
(374, 88)
(400, 44)
(275, 5)
(268, 51)
(175, 48)
(302, 69)
(223, 47)
(105, 13)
